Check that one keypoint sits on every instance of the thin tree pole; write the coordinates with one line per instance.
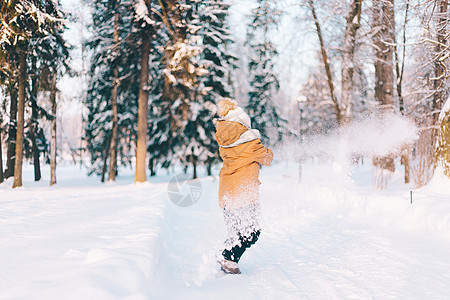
(114, 129)
(399, 74)
(33, 129)
(53, 132)
(400, 70)
(20, 120)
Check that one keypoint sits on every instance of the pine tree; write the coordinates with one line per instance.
(114, 82)
(22, 22)
(172, 133)
(160, 114)
(48, 64)
(219, 63)
(264, 113)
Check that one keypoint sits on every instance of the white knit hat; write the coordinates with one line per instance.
(238, 115)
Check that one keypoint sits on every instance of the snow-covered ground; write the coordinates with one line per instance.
(329, 237)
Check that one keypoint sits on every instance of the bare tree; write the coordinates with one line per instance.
(343, 108)
(326, 62)
(435, 79)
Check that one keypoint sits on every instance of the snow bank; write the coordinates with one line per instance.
(80, 239)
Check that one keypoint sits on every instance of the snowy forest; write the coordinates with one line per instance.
(152, 71)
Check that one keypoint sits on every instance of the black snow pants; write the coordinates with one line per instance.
(243, 230)
(235, 253)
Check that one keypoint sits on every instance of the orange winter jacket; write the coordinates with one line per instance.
(238, 178)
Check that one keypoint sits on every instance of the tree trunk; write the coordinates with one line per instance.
(33, 130)
(326, 63)
(151, 166)
(194, 166)
(20, 120)
(353, 24)
(141, 147)
(105, 157)
(405, 162)
(209, 168)
(53, 133)
(383, 39)
(113, 146)
(12, 131)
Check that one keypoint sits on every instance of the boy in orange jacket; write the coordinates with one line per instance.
(243, 154)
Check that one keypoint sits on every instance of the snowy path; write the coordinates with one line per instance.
(305, 252)
(84, 240)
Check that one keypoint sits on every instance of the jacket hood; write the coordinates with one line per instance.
(231, 134)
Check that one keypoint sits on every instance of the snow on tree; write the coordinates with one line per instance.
(427, 86)
(264, 113)
(172, 134)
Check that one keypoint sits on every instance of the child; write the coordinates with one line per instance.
(242, 153)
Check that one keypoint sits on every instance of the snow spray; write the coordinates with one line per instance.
(366, 138)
